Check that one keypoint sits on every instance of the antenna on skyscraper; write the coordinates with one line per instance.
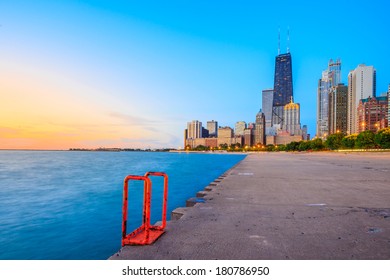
(288, 39)
(278, 40)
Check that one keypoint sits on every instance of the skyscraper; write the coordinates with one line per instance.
(292, 122)
(212, 127)
(248, 136)
(194, 130)
(372, 113)
(338, 109)
(388, 106)
(361, 85)
(267, 101)
(239, 128)
(331, 77)
(259, 131)
(283, 87)
(334, 69)
(225, 135)
(305, 136)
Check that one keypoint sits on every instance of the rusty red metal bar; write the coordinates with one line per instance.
(165, 197)
(146, 233)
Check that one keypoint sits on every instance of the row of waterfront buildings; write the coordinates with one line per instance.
(278, 122)
(341, 108)
(351, 108)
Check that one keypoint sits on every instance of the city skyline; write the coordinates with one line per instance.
(89, 74)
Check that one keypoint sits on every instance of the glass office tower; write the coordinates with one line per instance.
(283, 87)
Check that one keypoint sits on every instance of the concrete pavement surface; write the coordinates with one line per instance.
(285, 206)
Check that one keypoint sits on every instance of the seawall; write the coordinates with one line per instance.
(284, 206)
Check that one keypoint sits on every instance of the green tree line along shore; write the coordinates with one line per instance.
(364, 140)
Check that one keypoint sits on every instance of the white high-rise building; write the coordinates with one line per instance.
(361, 85)
(194, 130)
(239, 128)
(331, 77)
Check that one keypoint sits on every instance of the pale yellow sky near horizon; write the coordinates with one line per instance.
(42, 110)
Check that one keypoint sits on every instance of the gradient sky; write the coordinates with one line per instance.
(89, 74)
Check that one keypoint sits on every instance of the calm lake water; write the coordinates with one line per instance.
(68, 205)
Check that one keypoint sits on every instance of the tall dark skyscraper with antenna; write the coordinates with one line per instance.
(283, 86)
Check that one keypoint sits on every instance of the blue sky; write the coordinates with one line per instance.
(133, 73)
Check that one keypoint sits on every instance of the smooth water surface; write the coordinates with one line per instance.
(68, 205)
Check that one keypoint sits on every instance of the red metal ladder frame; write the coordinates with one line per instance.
(146, 234)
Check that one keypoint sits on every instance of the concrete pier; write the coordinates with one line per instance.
(285, 206)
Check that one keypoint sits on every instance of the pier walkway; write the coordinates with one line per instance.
(285, 206)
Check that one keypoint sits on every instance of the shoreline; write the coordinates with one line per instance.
(224, 152)
(208, 152)
(178, 212)
(284, 206)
